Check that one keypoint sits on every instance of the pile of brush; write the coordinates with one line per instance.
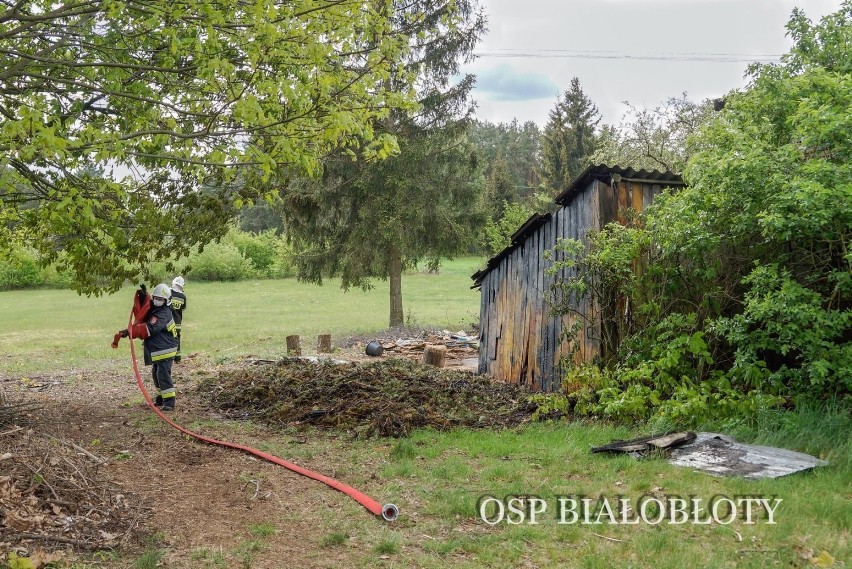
(388, 398)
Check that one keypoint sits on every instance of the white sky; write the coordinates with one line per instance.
(604, 38)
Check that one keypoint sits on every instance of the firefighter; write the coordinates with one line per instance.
(178, 306)
(159, 339)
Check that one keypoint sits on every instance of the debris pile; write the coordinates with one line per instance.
(52, 497)
(460, 345)
(385, 398)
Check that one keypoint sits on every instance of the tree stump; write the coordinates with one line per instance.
(435, 356)
(324, 344)
(294, 347)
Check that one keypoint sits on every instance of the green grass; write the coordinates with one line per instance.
(209, 559)
(387, 546)
(452, 471)
(262, 530)
(438, 478)
(334, 539)
(42, 330)
(149, 560)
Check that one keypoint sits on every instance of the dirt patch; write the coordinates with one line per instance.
(387, 398)
(54, 494)
(198, 506)
(191, 503)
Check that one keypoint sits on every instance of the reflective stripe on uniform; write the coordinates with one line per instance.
(163, 354)
(168, 393)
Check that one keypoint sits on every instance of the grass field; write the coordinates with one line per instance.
(437, 478)
(42, 330)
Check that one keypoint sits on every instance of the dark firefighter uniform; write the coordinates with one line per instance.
(159, 334)
(178, 306)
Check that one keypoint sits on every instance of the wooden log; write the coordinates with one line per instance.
(324, 344)
(294, 347)
(435, 356)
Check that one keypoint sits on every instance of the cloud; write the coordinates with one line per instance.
(503, 83)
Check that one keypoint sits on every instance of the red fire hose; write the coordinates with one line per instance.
(389, 512)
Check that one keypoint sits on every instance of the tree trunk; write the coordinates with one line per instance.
(324, 343)
(294, 346)
(395, 278)
(435, 356)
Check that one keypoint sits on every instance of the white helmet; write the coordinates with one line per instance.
(177, 283)
(161, 291)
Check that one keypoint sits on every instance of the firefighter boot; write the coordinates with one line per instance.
(168, 404)
(158, 401)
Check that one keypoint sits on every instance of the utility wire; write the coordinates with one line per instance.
(671, 56)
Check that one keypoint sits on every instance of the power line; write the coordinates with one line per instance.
(668, 56)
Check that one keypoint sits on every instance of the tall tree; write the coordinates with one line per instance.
(654, 139)
(371, 219)
(568, 141)
(499, 189)
(517, 144)
(166, 97)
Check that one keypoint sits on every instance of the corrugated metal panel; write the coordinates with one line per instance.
(603, 172)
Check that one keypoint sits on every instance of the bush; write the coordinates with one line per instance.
(20, 269)
(220, 262)
(237, 256)
(498, 235)
(283, 265)
(744, 297)
(259, 248)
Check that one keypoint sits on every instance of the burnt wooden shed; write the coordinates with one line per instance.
(519, 341)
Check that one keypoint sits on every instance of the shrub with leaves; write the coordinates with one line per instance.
(735, 293)
(498, 235)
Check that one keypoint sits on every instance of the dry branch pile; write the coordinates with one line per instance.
(387, 398)
(52, 496)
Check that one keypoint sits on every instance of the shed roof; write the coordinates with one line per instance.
(578, 184)
(518, 237)
(604, 172)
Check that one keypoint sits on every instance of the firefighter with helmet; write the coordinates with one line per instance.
(159, 339)
(178, 306)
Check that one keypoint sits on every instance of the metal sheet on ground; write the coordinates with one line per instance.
(722, 455)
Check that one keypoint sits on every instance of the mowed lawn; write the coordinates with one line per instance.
(438, 478)
(43, 330)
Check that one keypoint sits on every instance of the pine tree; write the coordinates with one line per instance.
(500, 190)
(369, 219)
(569, 140)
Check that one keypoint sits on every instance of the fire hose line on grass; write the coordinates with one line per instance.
(388, 511)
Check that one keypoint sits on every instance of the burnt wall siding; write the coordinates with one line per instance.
(521, 342)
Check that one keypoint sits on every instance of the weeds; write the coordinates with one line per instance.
(151, 559)
(334, 539)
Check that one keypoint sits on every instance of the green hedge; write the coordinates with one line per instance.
(239, 255)
(21, 268)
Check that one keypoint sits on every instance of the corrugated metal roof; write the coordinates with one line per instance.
(604, 172)
(578, 184)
